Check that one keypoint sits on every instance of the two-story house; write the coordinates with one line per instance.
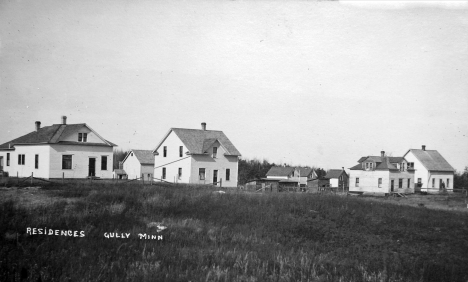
(306, 174)
(432, 172)
(59, 150)
(381, 174)
(198, 156)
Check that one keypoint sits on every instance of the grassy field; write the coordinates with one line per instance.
(236, 236)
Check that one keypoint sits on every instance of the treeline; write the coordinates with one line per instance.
(119, 155)
(461, 178)
(254, 169)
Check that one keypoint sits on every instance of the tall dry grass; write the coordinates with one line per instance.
(228, 237)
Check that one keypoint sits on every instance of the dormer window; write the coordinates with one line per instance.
(215, 152)
(82, 137)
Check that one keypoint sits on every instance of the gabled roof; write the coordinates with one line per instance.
(144, 156)
(385, 165)
(280, 171)
(198, 141)
(378, 159)
(335, 173)
(431, 160)
(52, 134)
(305, 171)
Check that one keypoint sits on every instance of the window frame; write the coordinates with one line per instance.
(181, 151)
(8, 159)
(448, 183)
(36, 161)
(433, 182)
(215, 152)
(179, 173)
(379, 183)
(356, 184)
(165, 152)
(71, 162)
(200, 175)
(163, 176)
(21, 159)
(103, 163)
(409, 182)
(400, 183)
(228, 174)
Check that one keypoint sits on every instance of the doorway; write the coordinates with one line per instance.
(392, 185)
(92, 167)
(215, 177)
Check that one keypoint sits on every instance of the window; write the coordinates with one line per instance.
(36, 161)
(82, 137)
(419, 180)
(448, 182)
(8, 159)
(228, 174)
(201, 173)
(103, 162)
(66, 161)
(380, 182)
(433, 182)
(165, 151)
(163, 173)
(409, 182)
(357, 182)
(215, 152)
(367, 165)
(21, 159)
(371, 165)
(400, 183)
(181, 149)
(402, 166)
(180, 173)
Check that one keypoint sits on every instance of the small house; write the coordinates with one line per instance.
(139, 164)
(338, 179)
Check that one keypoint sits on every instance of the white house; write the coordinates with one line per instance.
(68, 150)
(198, 156)
(432, 171)
(137, 163)
(381, 174)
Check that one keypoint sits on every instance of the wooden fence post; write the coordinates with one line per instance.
(17, 179)
(63, 176)
(220, 182)
(32, 173)
(143, 179)
(151, 177)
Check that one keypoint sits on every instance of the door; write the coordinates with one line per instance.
(92, 167)
(392, 185)
(215, 177)
(1, 163)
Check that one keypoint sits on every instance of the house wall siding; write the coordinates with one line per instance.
(29, 166)
(427, 176)
(172, 162)
(368, 181)
(80, 160)
(404, 175)
(221, 163)
(132, 166)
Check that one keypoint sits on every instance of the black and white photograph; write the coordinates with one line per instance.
(230, 140)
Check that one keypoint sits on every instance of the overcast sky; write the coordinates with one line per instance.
(310, 83)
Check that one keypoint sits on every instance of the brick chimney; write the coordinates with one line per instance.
(64, 120)
(424, 147)
(382, 154)
(203, 125)
(38, 125)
